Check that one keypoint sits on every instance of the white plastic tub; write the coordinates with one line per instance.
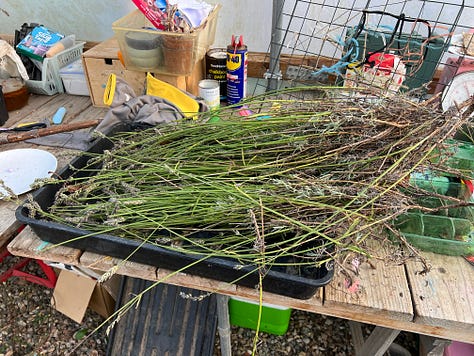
(74, 79)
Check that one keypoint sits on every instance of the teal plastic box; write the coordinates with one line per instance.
(244, 313)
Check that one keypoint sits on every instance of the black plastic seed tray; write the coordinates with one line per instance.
(301, 286)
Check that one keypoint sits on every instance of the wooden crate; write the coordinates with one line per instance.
(102, 60)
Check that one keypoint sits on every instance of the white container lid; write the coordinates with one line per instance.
(73, 68)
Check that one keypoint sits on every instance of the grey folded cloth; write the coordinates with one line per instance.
(126, 108)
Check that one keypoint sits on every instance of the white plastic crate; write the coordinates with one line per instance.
(51, 82)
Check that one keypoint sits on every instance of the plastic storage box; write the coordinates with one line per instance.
(51, 82)
(449, 229)
(74, 79)
(441, 246)
(244, 313)
(148, 50)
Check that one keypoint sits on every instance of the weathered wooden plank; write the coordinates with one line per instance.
(40, 107)
(378, 342)
(106, 263)
(28, 244)
(28, 112)
(379, 289)
(443, 297)
(8, 223)
(138, 270)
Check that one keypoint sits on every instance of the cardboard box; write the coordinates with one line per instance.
(74, 293)
(102, 60)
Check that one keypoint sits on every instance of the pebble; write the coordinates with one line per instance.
(26, 307)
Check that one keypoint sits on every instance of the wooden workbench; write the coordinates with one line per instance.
(392, 297)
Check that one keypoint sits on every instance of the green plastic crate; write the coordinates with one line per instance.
(244, 313)
(441, 227)
(441, 246)
(463, 212)
(460, 156)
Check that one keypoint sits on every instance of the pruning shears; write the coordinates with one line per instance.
(28, 126)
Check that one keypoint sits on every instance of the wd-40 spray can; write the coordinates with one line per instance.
(236, 70)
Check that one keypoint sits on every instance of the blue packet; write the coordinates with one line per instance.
(38, 42)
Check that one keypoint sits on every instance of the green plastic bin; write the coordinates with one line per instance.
(463, 212)
(244, 313)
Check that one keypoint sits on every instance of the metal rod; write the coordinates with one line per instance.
(274, 74)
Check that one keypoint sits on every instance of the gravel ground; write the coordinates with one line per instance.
(30, 326)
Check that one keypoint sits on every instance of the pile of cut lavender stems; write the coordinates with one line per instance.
(302, 178)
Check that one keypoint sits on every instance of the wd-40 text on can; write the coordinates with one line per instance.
(236, 71)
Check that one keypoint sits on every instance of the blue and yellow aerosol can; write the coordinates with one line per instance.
(236, 64)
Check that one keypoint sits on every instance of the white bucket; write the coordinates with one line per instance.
(210, 92)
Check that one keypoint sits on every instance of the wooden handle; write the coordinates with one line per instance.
(16, 137)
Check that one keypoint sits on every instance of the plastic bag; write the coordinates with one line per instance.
(11, 65)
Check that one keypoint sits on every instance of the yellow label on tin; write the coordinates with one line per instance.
(234, 61)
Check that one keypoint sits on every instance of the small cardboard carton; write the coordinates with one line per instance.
(74, 293)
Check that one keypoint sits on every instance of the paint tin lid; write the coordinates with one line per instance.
(217, 53)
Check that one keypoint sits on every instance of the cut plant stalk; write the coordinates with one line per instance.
(323, 175)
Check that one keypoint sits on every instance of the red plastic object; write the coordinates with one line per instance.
(16, 271)
(383, 61)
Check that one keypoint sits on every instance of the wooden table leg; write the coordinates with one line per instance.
(376, 344)
(223, 324)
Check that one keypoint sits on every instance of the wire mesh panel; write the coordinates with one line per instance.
(385, 45)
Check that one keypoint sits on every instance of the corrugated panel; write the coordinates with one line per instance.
(164, 323)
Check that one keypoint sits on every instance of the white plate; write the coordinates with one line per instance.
(457, 46)
(21, 167)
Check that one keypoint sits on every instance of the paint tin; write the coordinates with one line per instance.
(216, 68)
(209, 91)
(236, 73)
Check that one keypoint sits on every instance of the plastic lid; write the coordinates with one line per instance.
(73, 68)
